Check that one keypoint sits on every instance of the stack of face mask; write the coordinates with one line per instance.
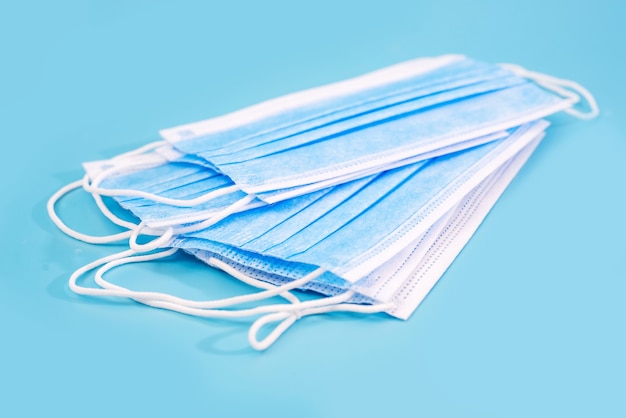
(363, 191)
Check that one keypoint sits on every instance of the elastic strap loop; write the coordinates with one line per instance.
(286, 321)
(572, 92)
(270, 290)
(162, 240)
(290, 308)
(206, 309)
(88, 291)
(148, 161)
(289, 318)
(165, 236)
(288, 314)
(119, 167)
(215, 218)
(91, 239)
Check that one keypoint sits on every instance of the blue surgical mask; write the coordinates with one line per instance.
(353, 144)
(413, 134)
(262, 145)
(501, 101)
(308, 192)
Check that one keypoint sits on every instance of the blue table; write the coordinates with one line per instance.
(528, 321)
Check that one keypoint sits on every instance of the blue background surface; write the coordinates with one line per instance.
(528, 321)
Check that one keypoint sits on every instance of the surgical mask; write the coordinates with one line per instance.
(260, 146)
(417, 126)
(339, 271)
(416, 133)
(226, 193)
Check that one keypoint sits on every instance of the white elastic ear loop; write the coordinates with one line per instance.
(206, 309)
(215, 218)
(121, 166)
(288, 314)
(143, 297)
(81, 290)
(91, 239)
(127, 162)
(165, 236)
(148, 161)
(161, 241)
(288, 319)
(556, 84)
(291, 308)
